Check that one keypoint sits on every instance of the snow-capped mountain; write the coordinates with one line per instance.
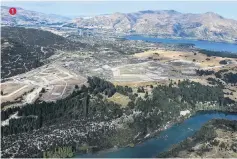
(30, 18)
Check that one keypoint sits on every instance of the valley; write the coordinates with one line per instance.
(76, 87)
(154, 64)
(122, 83)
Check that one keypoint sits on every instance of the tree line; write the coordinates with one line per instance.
(218, 53)
(87, 105)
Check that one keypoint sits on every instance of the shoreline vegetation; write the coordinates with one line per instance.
(67, 151)
(158, 131)
(205, 140)
(218, 53)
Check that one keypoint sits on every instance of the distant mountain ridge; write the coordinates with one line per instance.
(30, 18)
(166, 23)
(160, 23)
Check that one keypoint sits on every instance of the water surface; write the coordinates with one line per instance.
(165, 140)
(208, 45)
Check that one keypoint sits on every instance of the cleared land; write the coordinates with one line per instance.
(162, 65)
(119, 99)
(14, 94)
(57, 81)
(152, 67)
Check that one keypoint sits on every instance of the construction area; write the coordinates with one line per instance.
(47, 83)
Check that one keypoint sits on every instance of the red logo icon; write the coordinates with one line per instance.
(12, 11)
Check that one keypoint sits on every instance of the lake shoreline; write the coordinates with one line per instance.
(182, 38)
(199, 44)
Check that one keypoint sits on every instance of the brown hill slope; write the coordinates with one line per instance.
(167, 23)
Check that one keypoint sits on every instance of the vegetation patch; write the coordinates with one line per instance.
(59, 152)
(218, 53)
(120, 99)
(217, 138)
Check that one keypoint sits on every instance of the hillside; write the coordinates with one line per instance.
(162, 23)
(217, 138)
(30, 18)
(166, 23)
(23, 49)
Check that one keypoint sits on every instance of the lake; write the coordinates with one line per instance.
(208, 45)
(166, 138)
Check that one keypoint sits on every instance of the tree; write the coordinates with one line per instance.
(43, 90)
(140, 90)
(1, 92)
(146, 95)
(83, 88)
(131, 104)
(223, 62)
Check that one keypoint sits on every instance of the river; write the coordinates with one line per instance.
(168, 137)
(208, 45)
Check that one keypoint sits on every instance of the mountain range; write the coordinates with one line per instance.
(161, 23)
(30, 18)
(167, 23)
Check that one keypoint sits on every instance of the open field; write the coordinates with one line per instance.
(200, 59)
(13, 87)
(136, 84)
(160, 64)
(232, 92)
(152, 71)
(119, 99)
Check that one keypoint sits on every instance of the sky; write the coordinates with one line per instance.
(90, 8)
